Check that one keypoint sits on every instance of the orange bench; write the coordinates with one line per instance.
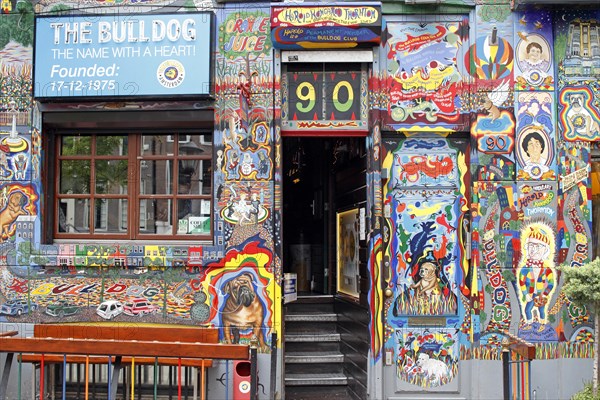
(119, 344)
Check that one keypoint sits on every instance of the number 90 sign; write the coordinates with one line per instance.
(324, 96)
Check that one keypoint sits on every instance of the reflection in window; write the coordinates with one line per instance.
(163, 181)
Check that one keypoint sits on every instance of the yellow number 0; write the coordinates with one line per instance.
(310, 96)
(343, 107)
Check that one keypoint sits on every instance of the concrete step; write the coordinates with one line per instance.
(317, 393)
(313, 357)
(329, 379)
(316, 317)
(315, 347)
(305, 328)
(316, 368)
(311, 304)
(313, 298)
(315, 336)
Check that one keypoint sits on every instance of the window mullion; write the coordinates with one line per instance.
(133, 186)
(92, 189)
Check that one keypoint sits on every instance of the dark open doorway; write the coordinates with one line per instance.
(306, 191)
(320, 177)
(324, 179)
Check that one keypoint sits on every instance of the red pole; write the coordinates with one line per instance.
(179, 379)
(42, 378)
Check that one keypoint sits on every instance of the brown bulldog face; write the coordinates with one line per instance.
(241, 290)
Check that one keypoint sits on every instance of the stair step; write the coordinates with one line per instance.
(317, 393)
(318, 317)
(318, 298)
(312, 337)
(315, 379)
(311, 357)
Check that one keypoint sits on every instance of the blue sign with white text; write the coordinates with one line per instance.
(123, 55)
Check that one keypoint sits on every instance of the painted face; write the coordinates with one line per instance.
(534, 54)
(536, 250)
(534, 149)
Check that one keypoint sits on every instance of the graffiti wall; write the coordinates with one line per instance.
(232, 284)
(423, 75)
(490, 62)
(424, 208)
(524, 229)
(531, 91)
(480, 127)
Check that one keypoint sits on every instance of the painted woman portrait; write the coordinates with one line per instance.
(534, 54)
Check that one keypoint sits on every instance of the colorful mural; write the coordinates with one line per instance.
(424, 81)
(232, 284)
(495, 222)
(536, 280)
(218, 295)
(536, 141)
(493, 135)
(427, 358)
(490, 61)
(478, 184)
(579, 117)
(423, 211)
(534, 51)
(524, 231)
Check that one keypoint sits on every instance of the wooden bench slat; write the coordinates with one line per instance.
(128, 332)
(9, 333)
(124, 348)
(71, 359)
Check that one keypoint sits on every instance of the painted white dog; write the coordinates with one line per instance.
(435, 369)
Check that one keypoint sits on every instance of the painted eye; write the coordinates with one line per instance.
(433, 64)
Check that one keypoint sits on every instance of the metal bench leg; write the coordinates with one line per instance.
(115, 377)
(5, 374)
(253, 374)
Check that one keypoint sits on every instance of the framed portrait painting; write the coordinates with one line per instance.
(347, 252)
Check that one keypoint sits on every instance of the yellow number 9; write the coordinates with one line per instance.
(310, 96)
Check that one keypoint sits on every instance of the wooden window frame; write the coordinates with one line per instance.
(133, 196)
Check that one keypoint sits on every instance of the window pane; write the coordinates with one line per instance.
(194, 152)
(156, 145)
(76, 145)
(188, 174)
(109, 215)
(157, 218)
(156, 177)
(205, 183)
(197, 183)
(94, 173)
(193, 216)
(73, 216)
(74, 177)
(111, 176)
(111, 145)
(189, 145)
